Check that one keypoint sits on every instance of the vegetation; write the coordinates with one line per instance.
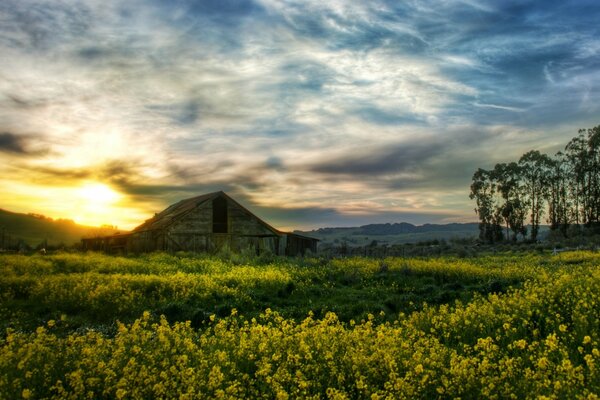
(21, 231)
(504, 326)
(566, 185)
(96, 290)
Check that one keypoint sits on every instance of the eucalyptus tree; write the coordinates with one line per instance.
(593, 175)
(576, 156)
(558, 196)
(534, 169)
(569, 184)
(513, 208)
(483, 191)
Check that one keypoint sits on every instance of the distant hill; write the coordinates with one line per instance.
(34, 229)
(396, 233)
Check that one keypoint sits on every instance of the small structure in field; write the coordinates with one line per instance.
(204, 223)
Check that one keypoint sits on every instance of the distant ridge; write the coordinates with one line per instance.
(395, 233)
(36, 229)
(403, 227)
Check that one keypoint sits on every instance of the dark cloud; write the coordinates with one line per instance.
(19, 102)
(162, 195)
(435, 163)
(401, 158)
(213, 8)
(11, 143)
(189, 113)
(42, 25)
(379, 116)
(25, 103)
(92, 52)
(275, 163)
(113, 172)
(235, 8)
(22, 145)
(51, 175)
(118, 170)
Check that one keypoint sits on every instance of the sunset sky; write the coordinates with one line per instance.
(311, 113)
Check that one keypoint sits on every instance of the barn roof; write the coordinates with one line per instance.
(179, 209)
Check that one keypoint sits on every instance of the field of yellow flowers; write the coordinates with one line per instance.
(504, 326)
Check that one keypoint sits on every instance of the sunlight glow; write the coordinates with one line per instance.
(98, 194)
(96, 204)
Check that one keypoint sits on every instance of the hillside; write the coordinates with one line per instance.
(396, 233)
(33, 229)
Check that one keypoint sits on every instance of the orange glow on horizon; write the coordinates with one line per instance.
(89, 203)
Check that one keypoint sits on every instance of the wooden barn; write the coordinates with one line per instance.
(204, 223)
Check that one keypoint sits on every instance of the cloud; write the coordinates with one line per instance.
(342, 108)
(499, 107)
(11, 143)
(22, 145)
(401, 158)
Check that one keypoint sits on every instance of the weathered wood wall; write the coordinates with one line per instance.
(193, 231)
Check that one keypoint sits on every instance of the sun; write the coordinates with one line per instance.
(96, 204)
(98, 194)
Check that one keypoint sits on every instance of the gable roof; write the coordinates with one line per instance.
(179, 209)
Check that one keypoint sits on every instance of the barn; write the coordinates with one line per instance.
(204, 223)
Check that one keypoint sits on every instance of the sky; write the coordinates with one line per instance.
(311, 113)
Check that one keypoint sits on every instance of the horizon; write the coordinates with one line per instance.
(311, 114)
(33, 214)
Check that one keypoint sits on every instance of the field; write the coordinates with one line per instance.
(164, 326)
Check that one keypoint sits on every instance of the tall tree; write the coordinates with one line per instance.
(576, 154)
(593, 175)
(513, 209)
(558, 196)
(483, 191)
(534, 169)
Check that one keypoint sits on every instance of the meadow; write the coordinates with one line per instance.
(178, 326)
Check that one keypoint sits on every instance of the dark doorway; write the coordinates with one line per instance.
(219, 206)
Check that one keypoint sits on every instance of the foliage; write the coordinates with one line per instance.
(98, 289)
(484, 191)
(19, 231)
(569, 184)
(541, 340)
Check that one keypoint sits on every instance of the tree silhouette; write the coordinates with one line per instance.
(566, 186)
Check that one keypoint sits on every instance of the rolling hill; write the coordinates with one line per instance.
(396, 233)
(34, 229)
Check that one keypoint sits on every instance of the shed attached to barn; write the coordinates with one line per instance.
(204, 223)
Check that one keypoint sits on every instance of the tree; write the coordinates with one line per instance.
(569, 184)
(576, 154)
(534, 169)
(482, 190)
(513, 209)
(558, 196)
(593, 175)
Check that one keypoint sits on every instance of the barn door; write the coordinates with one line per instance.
(221, 241)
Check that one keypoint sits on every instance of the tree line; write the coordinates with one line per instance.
(564, 188)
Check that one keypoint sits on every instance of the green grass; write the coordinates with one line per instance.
(97, 290)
